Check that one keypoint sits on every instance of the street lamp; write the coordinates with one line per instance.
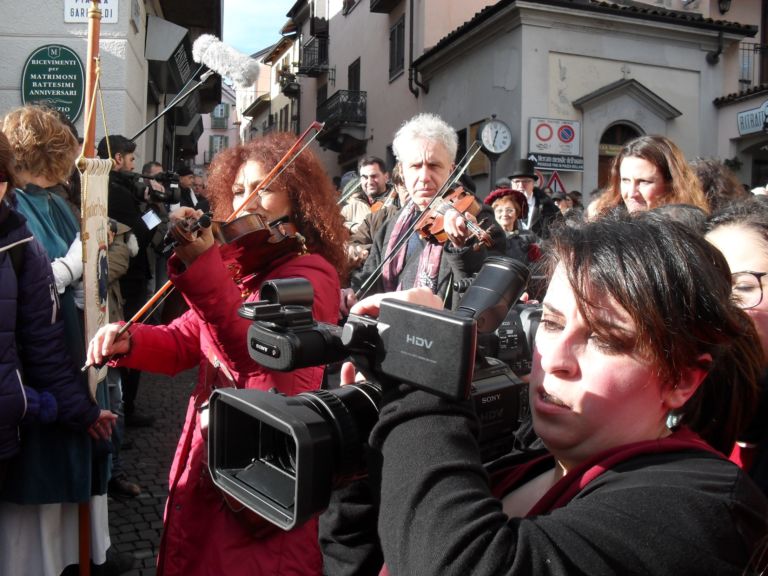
(724, 5)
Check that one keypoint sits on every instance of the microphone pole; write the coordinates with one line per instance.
(185, 91)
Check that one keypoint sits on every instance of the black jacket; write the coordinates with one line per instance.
(125, 207)
(687, 512)
(186, 200)
(546, 214)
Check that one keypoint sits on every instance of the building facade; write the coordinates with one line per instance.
(221, 129)
(145, 61)
(574, 79)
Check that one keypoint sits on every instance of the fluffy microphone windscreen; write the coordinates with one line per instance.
(224, 60)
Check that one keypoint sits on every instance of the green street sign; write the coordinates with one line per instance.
(53, 75)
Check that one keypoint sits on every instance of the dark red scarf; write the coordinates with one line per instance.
(429, 260)
(579, 477)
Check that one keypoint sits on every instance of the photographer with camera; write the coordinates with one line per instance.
(162, 191)
(204, 532)
(635, 417)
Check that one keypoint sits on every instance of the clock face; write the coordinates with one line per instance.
(496, 137)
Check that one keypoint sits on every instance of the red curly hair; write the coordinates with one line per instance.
(311, 192)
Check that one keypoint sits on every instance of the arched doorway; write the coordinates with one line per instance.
(611, 142)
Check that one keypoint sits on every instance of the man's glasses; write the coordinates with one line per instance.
(522, 181)
(747, 288)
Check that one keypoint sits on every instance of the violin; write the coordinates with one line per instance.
(247, 243)
(430, 224)
(388, 201)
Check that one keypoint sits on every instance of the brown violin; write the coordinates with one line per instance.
(430, 224)
(247, 243)
(388, 201)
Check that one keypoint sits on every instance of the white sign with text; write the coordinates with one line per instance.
(76, 11)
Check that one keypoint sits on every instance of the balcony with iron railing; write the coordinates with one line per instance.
(345, 115)
(343, 107)
(753, 65)
(289, 84)
(314, 57)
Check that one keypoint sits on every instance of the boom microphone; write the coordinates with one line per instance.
(225, 60)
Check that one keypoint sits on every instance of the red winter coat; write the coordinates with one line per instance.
(201, 535)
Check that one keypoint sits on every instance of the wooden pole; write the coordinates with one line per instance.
(89, 146)
(94, 32)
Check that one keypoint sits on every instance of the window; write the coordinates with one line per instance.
(217, 143)
(397, 48)
(220, 116)
(284, 118)
(353, 76)
(322, 93)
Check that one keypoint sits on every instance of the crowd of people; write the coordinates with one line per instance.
(647, 387)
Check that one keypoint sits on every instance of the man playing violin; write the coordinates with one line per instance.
(425, 147)
(202, 533)
(374, 184)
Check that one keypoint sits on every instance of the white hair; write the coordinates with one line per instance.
(428, 127)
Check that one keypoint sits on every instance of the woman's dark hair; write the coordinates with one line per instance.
(677, 289)
(7, 162)
(751, 213)
(311, 192)
(682, 186)
(721, 186)
(692, 216)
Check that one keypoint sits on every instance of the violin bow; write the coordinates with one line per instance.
(310, 134)
(450, 182)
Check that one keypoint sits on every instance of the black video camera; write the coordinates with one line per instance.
(171, 194)
(512, 341)
(282, 456)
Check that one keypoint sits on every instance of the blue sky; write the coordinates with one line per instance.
(250, 25)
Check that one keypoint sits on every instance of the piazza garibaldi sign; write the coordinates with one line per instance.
(54, 75)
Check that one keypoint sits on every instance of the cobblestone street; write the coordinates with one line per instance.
(136, 524)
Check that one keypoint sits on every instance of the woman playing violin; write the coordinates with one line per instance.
(203, 534)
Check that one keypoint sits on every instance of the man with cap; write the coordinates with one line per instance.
(186, 184)
(542, 212)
